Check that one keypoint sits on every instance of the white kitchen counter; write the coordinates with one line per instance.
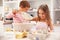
(55, 35)
(23, 39)
(56, 24)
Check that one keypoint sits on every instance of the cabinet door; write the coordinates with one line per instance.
(56, 16)
(1, 2)
(56, 4)
(56, 12)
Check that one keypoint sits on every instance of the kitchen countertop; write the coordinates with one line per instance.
(7, 23)
(11, 23)
(56, 24)
(55, 35)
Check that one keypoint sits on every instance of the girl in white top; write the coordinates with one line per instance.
(43, 15)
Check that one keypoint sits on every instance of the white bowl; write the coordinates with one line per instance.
(23, 26)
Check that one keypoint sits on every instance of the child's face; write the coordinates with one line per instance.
(42, 14)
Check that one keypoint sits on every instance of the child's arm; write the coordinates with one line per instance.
(51, 26)
(10, 15)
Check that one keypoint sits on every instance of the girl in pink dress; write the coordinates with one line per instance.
(17, 15)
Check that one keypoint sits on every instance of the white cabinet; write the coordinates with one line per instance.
(1, 3)
(9, 5)
(56, 12)
(1, 8)
(35, 5)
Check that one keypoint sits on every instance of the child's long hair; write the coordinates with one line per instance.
(45, 8)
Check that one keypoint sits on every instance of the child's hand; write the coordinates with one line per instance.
(49, 30)
(14, 11)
